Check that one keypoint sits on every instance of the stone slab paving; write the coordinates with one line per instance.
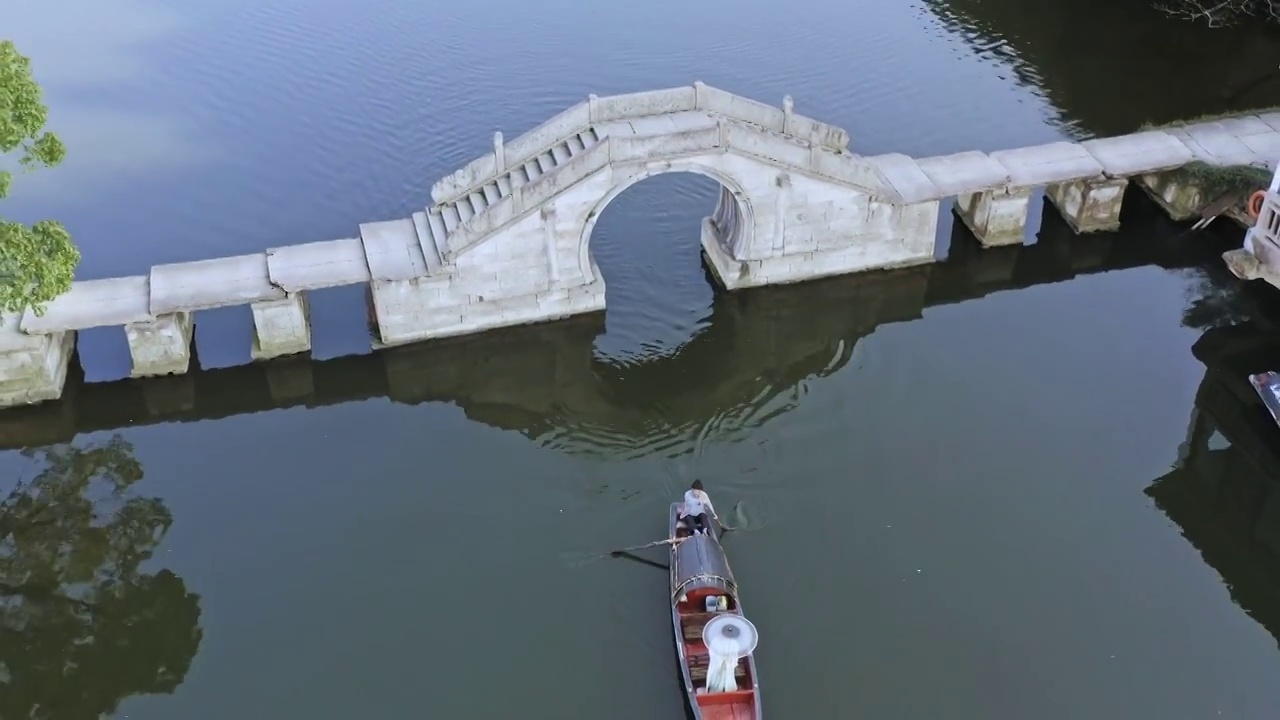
(1049, 164)
(392, 250)
(331, 263)
(1139, 153)
(94, 303)
(964, 173)
(1213, 144)
(206, 284)
(904, 176)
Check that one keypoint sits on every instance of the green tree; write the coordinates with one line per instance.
(37, 262)
(81, 626)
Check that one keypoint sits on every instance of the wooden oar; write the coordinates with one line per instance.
(655, 543)
(728, 528)
(643, 561)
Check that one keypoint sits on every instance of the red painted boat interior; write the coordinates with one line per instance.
(739, 705)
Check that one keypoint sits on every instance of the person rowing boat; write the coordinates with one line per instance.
(697, 504)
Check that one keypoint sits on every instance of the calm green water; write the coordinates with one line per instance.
(1003, 486)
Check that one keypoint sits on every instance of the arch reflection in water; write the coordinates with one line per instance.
(645, 246)
(82, 627)
(1224, 489)
(748, 364)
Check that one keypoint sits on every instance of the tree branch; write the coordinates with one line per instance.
(1221, 13)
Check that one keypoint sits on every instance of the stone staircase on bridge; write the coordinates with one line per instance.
(442, 219)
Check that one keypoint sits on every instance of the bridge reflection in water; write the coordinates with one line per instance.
(1224, 491)
(750, 363)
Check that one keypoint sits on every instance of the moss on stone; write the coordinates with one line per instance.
(1208, 117)
(1218, 180)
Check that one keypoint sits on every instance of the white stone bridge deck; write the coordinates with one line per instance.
(505, 240)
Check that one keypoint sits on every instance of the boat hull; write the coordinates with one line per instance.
(700, 571)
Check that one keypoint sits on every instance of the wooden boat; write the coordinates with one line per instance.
(699, 572)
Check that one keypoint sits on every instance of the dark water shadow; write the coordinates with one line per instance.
(1223, 491)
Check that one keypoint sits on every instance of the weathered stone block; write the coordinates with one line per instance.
(1089, 206)
(33, 368)
(281, 327)
(161, 346)
(996, 217)
(1175, 192)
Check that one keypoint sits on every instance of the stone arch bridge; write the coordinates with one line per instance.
(508, 236)
(506, 239)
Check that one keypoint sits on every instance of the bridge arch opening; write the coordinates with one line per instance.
(647, 246)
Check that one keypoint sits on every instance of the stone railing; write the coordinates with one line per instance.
(630, 106)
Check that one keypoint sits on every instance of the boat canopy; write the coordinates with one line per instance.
(700, 562)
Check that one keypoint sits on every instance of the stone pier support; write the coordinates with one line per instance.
(996, 217)
(33, 368)
(281, 327)
(1175, 192)
(161, 346)
(1089, 206)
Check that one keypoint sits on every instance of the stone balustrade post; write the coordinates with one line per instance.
(499, 152)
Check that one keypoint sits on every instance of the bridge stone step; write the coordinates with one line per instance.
(441, 221)
(449, 211)
(430, 251)
(435, 221)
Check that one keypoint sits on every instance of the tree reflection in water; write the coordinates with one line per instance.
(81, 627)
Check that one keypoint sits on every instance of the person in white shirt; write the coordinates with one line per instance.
(696, 507)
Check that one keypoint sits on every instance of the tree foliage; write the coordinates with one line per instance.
(1222, 13)
(81, 626)
(37, 262)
